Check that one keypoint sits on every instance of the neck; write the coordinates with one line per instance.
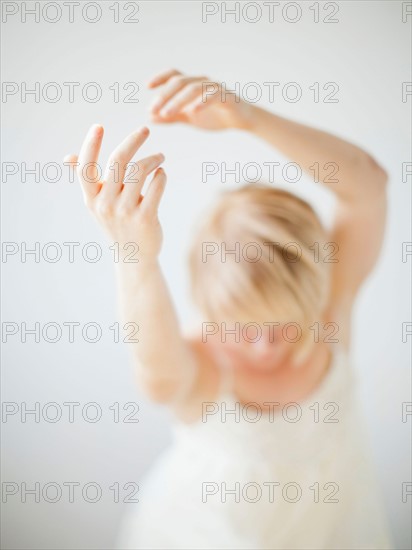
(286, 382)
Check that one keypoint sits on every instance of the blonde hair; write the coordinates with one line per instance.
(254, 258)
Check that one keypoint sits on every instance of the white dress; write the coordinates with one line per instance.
(296, 478)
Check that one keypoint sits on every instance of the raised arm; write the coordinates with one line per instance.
(361, 183)
(360, 188)
(162, 359)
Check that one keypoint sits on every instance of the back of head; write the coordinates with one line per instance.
(258, 257)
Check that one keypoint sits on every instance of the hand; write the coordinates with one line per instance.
(198, 101)
(116, 202)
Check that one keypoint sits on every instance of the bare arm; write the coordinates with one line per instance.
(361, 192)
(163, 361)
(361, 188)
(161, 357)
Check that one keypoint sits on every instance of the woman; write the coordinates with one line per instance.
(268, 452)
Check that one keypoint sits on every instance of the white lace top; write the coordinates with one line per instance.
(296, 477)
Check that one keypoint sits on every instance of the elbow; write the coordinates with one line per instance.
(157, 390)
(376, 173)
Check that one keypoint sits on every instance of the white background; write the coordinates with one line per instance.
(366, 53)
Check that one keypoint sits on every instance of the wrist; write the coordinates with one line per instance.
(135, 278)
(249, 117)
(245, 117)
(254, 119)
(143, 251)
(138, 265)
(131, 257)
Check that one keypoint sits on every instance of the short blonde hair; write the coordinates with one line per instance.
(254, 258)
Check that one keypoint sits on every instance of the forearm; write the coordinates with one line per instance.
(160, 356)
(358, 174)
(318, 153)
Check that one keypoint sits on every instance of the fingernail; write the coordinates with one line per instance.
(156, 104)
(96, 129)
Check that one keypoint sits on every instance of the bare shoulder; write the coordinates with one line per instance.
(205, 383)
(338, 324)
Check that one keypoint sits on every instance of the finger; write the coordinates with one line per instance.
(70, 159)
(173, 86)
(186, 109)
(151, 200)
(202, 101)
(162, 78)
(179, 101)
(157, 118)
(121, 156)
(133, 184)
(198, 104)
(88, 169)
